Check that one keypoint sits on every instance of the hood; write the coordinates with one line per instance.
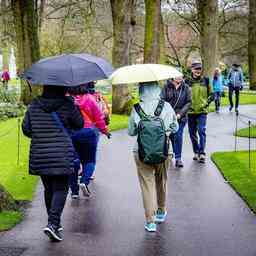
(149, 91)
(50, 105)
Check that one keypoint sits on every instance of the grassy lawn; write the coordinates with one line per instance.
(14, 177)
(235, 168)
(245, 99)
(118, 122)
(245, 132)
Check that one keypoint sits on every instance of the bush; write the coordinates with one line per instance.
(8, 110)
(9, 96)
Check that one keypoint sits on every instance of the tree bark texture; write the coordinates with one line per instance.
(123, 22)
(208, 20)
(252, 44)
(28, 52)
(153, 31)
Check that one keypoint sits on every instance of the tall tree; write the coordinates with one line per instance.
(252, 43)
(123, 20)
(26, 28)
(207, 12)
(153, 31)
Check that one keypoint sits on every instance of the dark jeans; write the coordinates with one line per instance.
(217, 97)
(73, 178)
(55, 194)
(85, 142)
(177, 140)
(231, 90)
(197, 126)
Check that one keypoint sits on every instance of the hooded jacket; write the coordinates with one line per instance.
(51, 149)
(149, 94)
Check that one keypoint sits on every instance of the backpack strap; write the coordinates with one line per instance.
(159, 108)
(140, 111)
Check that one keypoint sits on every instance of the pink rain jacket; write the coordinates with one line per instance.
(91, 112)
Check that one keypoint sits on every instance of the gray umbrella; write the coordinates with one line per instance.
(68, 70)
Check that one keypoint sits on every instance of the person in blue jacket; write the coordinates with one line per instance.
(235, 84)
(217, 83)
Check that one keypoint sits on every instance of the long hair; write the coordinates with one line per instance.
(216, 74)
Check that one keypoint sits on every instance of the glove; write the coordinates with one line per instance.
(109, 135)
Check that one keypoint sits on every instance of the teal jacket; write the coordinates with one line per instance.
(149, 94)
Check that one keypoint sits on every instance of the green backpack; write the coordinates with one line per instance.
(152, 140)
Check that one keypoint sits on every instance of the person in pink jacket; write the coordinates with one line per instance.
(85, 140)
(5, 78)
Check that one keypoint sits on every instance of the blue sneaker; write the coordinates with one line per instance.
(150, 227)
(160, 216)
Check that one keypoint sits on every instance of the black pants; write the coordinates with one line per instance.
(55, 194)
(230, 96)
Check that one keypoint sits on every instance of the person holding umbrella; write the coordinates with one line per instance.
(178, 94)
(48, 122)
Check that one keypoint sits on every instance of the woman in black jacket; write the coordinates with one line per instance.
(178, 94)
(47, 122)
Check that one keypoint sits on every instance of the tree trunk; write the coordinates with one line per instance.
(208, 19)
(26, 28)
(122, 35)
(252, 44)
(153, 31)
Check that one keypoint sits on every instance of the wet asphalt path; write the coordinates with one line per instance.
(205, 217)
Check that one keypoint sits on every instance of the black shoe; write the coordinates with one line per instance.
(85, 190)
(236, 110)
(202, 159)
(52, 233)
(179, 164)
(230, 109)
(60, 228)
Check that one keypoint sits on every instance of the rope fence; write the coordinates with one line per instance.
(249, 121)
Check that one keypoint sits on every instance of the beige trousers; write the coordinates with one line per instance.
(153, 179)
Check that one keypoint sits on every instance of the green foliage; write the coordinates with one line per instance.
(235, 168)
(9, 219)
(13, 176)
(118, 122)
(9, 96)
(8, 110)
(245, 132)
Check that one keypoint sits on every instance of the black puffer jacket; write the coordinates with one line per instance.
(51, 150)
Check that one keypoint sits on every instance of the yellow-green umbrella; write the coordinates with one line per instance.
(143, 73)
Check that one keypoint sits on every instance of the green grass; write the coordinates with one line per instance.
(14, 177)
(235, 168)
(245, 132)
(9, 219)
(118, 122)
(245, 99)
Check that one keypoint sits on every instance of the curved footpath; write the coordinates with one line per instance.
(206, 217)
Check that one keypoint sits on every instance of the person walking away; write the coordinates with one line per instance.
(197, 116)
(5, 78)
(85, 140)
(47, 122)
(152, 120)
(101, 101)
(235, 84)
(178, 94)
(217, 83)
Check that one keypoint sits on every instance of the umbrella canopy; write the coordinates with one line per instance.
(68, 70)
(143, 73)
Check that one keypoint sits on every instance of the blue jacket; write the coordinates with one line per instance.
(235, 78)
(217, 84)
